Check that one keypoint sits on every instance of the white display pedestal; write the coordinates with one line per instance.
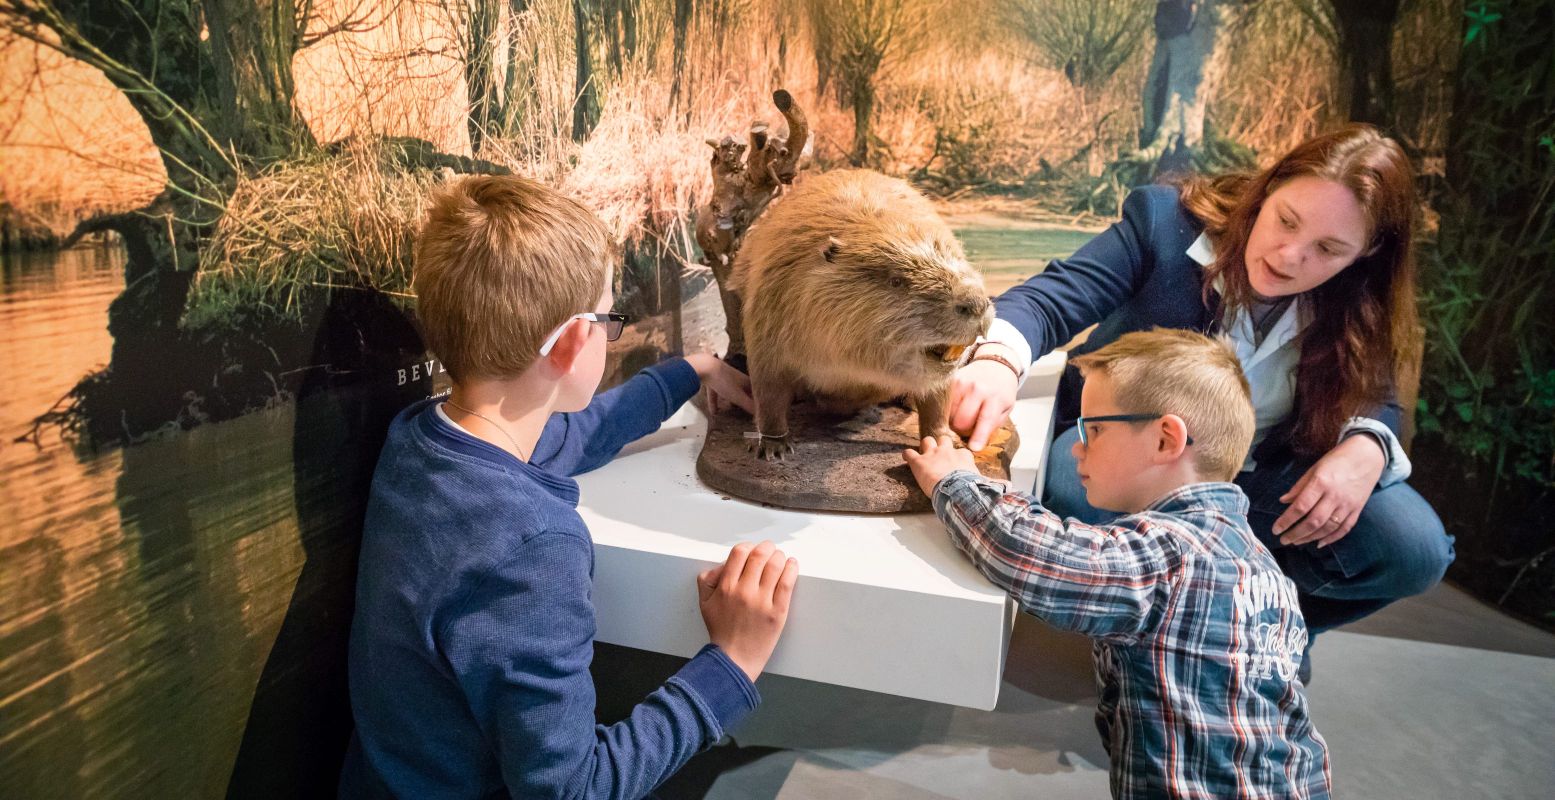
(884, 602)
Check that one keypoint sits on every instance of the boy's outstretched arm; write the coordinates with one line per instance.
(520, 644)
(1109, 582)
(576, 442)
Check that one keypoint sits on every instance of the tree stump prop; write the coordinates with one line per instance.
(841, 462)
(741, 191)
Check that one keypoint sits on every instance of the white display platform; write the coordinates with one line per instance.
(884, 602)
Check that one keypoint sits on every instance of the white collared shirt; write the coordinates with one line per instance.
(1270, 368)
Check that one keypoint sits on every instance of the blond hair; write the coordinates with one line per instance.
(1197, 378)
(500, 263)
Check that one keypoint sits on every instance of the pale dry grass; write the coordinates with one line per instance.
(70, 145)
(996, 117)
(345, 220)
(1282, 85)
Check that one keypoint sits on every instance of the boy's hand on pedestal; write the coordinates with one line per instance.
(745, 603)
(936, 458)
(724, 384)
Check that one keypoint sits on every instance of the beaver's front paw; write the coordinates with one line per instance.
(935, 433)
(772, 448)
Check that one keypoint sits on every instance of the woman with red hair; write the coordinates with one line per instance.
(1307, 268)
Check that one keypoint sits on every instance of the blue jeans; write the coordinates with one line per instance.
(1397, 548)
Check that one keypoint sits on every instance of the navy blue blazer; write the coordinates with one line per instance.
(1134, 276)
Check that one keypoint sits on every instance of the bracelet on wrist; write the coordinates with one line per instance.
(977, 355)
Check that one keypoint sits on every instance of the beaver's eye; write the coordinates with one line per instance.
(898, 281)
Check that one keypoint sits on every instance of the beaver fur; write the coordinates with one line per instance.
(855, 290)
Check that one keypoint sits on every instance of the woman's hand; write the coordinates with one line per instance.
(1327, 501)
(724, 383)
(981, 396)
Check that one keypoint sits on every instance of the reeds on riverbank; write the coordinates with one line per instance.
(312, 224)
(972, 109)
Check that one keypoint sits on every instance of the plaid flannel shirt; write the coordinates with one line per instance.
(1197, 634)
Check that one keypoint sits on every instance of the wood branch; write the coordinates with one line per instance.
(741, 192)
(787, 167)
(722, 219)
(98, 224)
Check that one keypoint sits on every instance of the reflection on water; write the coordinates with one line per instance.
(142, 589)
(171, 612)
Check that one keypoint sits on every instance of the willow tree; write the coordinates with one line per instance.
(619, 26)
(682, 24)
(853, 39)
(212, 81)
(1086, 40)
(585, 102)
(1192, 45)
(1366, 45)
(206, 101)
(479, 20)
(1360, 33)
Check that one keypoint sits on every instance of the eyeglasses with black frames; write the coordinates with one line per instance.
(1082, 422)
(614, 323)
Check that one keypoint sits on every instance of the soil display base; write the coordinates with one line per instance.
(840, 462)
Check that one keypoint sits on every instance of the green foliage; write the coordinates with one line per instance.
(1481, 15)
(1488, 387)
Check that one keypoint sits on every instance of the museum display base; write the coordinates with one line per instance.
(884, 602)
(841, 462)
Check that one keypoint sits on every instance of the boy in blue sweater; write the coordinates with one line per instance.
(474, 628)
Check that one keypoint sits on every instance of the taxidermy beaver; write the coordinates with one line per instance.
(854, 289)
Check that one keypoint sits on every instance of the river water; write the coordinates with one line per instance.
(171, 611)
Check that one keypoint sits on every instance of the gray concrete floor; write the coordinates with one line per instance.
(1439, 696)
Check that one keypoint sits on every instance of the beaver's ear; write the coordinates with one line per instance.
(833, 247)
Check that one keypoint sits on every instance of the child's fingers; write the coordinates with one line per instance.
(771, 571)
(735, 387)
(785, 585)
(750, 576)
(741, 380)
(743, 399)
(734, 565)
(707, 581)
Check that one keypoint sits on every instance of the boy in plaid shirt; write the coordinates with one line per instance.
(1197, 634)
